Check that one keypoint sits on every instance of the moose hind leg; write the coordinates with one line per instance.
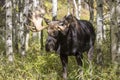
(64, 60)
(91, 49)
(90, 56)
(90, 53)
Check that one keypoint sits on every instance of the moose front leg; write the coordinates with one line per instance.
(90, 56)
(64, 60)
(79, 58)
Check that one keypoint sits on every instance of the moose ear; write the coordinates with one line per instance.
(69, 18)
(47, 21)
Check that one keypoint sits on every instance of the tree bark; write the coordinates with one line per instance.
(15, 26)
(54, 10)
(22, 32)
(68, 7)
(91, 9)
(25, 21)
(2, 20)
(115, 33)
(79, 8)
(76, 9)
(9, 47)
(99, 30)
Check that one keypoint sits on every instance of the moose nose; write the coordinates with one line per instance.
(51, 50)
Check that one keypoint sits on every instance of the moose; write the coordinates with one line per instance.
(69, 37)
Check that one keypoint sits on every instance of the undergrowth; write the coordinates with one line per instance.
(47, 66)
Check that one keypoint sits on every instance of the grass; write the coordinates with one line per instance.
(47, 66)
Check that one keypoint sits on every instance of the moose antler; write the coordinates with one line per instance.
(61, 28)
(35, 30)
(36, 20)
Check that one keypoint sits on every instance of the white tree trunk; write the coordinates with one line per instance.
(118, 32)
(115, 33)
(13, 20)
(36, 4)
(25, 12)
(68, 7)
(99, 29)
(79, 8)
(54, 9)
(76, 9)
(91, 9)
(21, 33)
(15, 25)
(2, 22)
(9, 48)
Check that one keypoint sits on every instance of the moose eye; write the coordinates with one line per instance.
(66, 22)
(53, 34)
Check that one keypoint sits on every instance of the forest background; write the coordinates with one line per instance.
(22, 52)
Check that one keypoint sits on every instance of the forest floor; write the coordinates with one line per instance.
(40, 65)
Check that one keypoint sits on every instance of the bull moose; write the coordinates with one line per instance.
(70, 37)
